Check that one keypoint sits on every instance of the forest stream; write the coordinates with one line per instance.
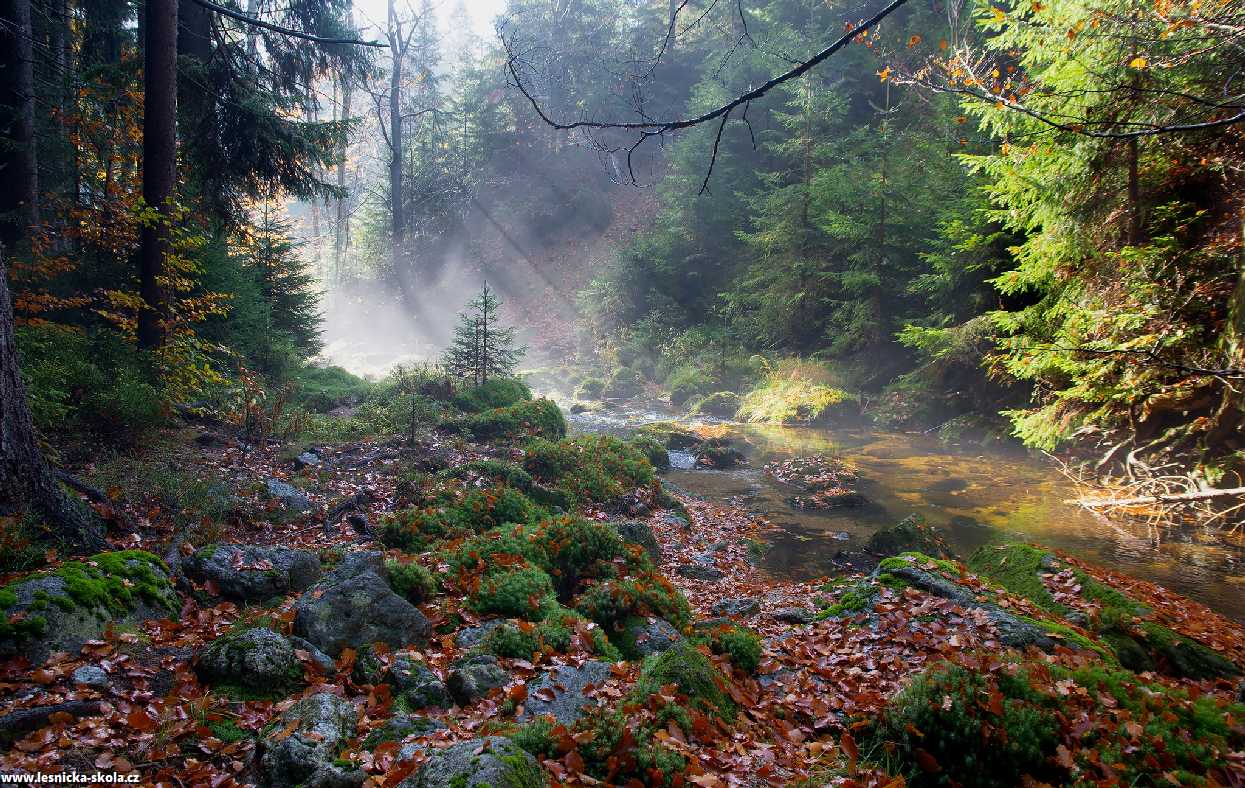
(976, 497)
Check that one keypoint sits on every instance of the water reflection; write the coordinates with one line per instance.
(976, 497)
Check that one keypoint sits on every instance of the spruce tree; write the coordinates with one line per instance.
(482, 348)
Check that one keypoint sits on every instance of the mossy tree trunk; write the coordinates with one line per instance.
(27, 482)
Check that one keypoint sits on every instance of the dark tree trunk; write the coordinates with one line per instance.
(159, 164)
(27, 482)
(395, 140)
(19, 198)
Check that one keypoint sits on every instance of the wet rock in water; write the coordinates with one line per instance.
(714, 453)
(720, 404)
(912, 534)
(636, 532)
(681, 460)
(290, 496)
(478, 763)
(794, 615)
(64, 608)
(90, 676)
(737, 606)
(474, 677)
(562, 691)
(416, 682)
(251, 573)
(825, 482)
(699, 571)
(323, 723)
(652, 636)
(354, 607)
(256, 658)
(474, 636)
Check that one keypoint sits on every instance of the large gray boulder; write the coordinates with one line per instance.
(62, 609)
(418, 684)
(474, 677)
(484, 763)
(737, 606)
(474, 636)
(323, 724)
(652, 636)
(290, 496)
(637, 532)
(252, 573)
(349, 610)
(561, 691)
(255, 658)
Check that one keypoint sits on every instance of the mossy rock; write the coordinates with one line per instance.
(1136, 643)
(539, 418)
(61, 609)
(255, 659)
(719, 404)
(490, 762)
(911, 534)
(590, 389)
(686, 667)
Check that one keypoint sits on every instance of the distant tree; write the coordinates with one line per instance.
(482, 348)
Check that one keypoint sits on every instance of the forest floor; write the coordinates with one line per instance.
(800, 714)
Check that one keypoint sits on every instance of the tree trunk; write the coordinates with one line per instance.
(395, 140)
(19, 199)
(339, 240)
(27, 482)
(159, 164)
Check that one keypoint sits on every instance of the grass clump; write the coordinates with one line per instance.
(412, 582)
(500, 473)
(321, 389)
(538, 418)
(794, 392)
(589, 469)
(494, 393)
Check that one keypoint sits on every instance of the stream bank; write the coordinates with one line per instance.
(974, 495)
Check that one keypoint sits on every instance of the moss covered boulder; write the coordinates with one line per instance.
(61, 609)
(255, 659)
(911, 534)
(487, 762)
(563, 691)
(719, 404)
(251, 573)
(1123, 624)
(321, 725)
(354, 606)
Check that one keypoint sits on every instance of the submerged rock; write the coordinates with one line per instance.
(911, 534)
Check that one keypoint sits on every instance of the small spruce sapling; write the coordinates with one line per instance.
(482, 348)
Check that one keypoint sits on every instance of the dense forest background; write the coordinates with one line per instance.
(1000, 219)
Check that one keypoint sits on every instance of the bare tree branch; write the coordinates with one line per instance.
(250, 20)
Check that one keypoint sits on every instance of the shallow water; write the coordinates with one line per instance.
(976, 497)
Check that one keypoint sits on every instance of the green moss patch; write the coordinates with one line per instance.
(538, 418)
(589, 469)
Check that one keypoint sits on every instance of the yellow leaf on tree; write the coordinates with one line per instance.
(885, 73)
(913, 41)
(998, 14)
(1138, 62)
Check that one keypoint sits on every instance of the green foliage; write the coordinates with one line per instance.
(689, 382)
(94, 383)
(321, 389)
(538, 418)
(482, 349)
(614, 603)
(411, 581)
(590, 388)
(502, 473)
(555, 635)
(979, 729)
(722, 404)
(589, 468)
(492, 393)
(457, 514)
(795, 392)
(686, 667)
(741, 644)
(653, 451)
(520, 592)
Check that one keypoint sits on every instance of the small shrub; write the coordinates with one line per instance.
(795, 392)
(741, 644)
(686, 667)
(979, 729)
(494, 393)
(411, 581)
(555, 635)
(507, 473)
(521, 593)
(720, 404)
(475, 512)
(590, 388)
(687, 383)
(612, 603)
(538, 418)
(321, 389)
(624, 382)
(589, 468)
(576, 549)
(653, 451)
